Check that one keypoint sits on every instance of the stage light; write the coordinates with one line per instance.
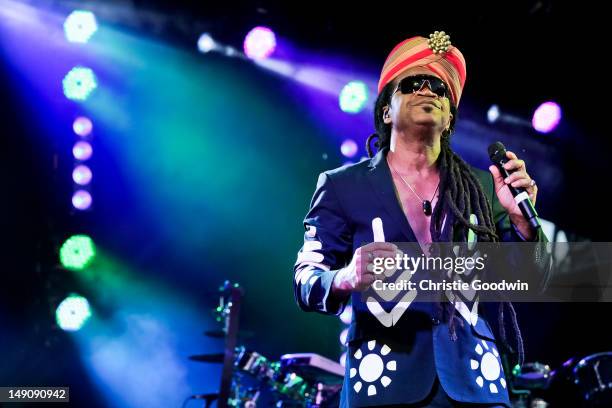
(347, 314)
(72, 313)
(79, 83)
(349, 148)
(353, 97)
(82, 126)
(343, 359)
(81, 200)
(81, 175)
(259, 43)
(546, 117)
(79, 26)
(206, 43)
(343, 336)
(82, 150)
(230, 51)
(493, 114)
(77, 252)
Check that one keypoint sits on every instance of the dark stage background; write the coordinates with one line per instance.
(204, 166)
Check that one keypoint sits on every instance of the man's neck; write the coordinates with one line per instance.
(412, 154)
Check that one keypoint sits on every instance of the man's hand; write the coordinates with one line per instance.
(359, 275)
(519, 178)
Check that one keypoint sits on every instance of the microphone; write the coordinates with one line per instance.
(497, 154)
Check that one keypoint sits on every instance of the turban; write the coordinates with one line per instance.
(434, 54)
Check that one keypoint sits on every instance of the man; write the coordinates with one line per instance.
(415, 189)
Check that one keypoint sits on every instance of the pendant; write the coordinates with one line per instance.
(427, 207)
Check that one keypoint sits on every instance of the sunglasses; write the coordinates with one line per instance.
(412, 84)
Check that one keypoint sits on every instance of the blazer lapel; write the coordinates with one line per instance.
(382, 183)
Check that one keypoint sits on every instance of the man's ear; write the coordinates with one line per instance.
(450, 120)
(386, 115)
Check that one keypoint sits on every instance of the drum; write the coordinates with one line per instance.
(593, 377)
(533, 376)
(582, 383)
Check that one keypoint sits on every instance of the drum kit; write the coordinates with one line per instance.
(577, 383)
(249, 379)
(308, 380)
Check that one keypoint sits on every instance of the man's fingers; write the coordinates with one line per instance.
(382, 246)
(367, 280)
(515, 164)
(511, 155)
(496, 173)
(382, 254)
(498, 179)
(369, 269)
(517, 175)
(378, 260)
(523, 182)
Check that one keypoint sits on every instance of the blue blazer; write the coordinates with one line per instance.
(393, 356)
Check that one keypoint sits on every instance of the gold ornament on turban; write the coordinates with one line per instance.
(439, 42)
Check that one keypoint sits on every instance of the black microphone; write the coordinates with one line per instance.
(497, 153)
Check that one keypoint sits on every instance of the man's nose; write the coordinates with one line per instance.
(425, 89)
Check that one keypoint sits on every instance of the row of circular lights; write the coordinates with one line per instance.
(78, 251)
(78, 85)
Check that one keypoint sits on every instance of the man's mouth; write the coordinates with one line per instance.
(429, 103)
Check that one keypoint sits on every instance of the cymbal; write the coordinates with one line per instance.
(208, 358)
(243, 334)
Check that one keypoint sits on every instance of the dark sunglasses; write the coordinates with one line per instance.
(412, 84)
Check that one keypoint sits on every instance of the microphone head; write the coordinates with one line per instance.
(497, 152)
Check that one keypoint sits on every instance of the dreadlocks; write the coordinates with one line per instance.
(461, 195)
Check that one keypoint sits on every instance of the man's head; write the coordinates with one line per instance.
(401, 102)
(419, 98)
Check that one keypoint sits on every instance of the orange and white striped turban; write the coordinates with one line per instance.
(435, 54)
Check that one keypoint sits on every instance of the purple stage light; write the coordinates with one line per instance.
(347, 315)
(81, 200)
(81, 175)
(546, 117)
(343, 336)
(82, 126)
(82, 151)
(349, 148)
(493, 114)
(343, 359)
(259, 43)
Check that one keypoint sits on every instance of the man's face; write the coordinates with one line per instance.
(422, 108)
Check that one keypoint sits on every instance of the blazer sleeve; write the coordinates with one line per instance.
(327, 248)
(536, 257)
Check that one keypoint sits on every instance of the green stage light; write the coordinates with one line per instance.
(353, 97)
(72, 313)
(79, 83)
(79, 26)
(77, 252)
